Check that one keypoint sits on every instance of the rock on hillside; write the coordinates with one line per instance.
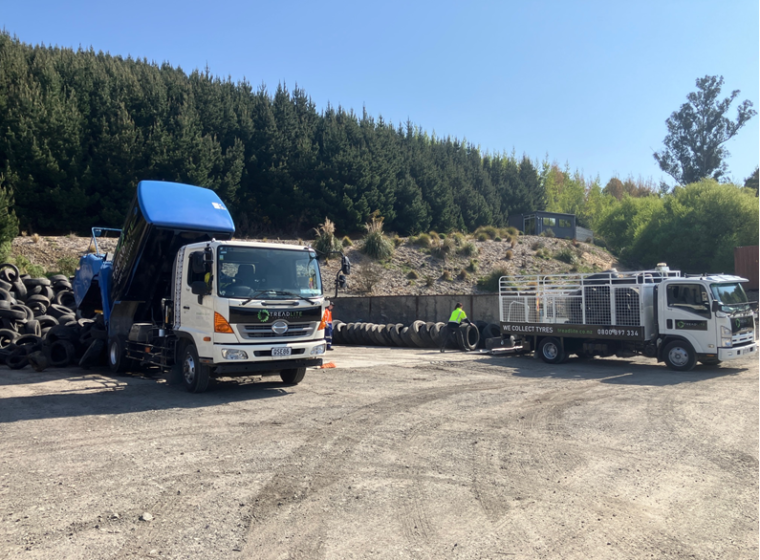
(411, 270)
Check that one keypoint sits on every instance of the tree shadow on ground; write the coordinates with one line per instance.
(75, 392)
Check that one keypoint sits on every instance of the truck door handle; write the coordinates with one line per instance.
(185, 307)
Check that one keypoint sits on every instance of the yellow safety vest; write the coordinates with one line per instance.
(457, 315)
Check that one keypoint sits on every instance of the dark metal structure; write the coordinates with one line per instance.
(562, 225)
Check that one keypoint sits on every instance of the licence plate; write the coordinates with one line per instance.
(281, 351)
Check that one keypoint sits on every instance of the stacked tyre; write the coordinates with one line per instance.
(419, 334)
(39, 326)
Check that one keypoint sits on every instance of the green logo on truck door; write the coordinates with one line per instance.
(263, 315)
(691, 325)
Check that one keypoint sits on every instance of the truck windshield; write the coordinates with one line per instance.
(256, 272)
(730, 295)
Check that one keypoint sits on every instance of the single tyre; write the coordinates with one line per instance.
(470, 336)
(550, 350)
(195, 375)
(293, 376)
(679, 356)
(117, 356)
(61, 353)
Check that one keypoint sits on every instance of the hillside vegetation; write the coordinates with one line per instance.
(414, 268)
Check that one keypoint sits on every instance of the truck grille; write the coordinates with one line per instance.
(265, 331)
(743, 337)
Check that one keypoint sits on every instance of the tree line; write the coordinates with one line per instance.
(79, 130)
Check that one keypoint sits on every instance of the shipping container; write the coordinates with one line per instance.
(746, 265)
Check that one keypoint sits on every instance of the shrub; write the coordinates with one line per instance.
(433, 235)
(512, 231)
(468, 250)
(397, 241)
(446, 276)
(509, 255)
(429, 281)
(473, 266)
(413, 275)
(423, 240)
(548, 232)
(491, 231)
(543, 254)
(347, 242)
(497, 238)
(462, 275)
(566, 256)
(376, 244)
(368, 276)
(458, 238)
(490, 282)
(325, 240)
(442, 249)
(67, 265)
(537, 245)
(599, 242)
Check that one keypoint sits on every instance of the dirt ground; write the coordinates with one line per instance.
(394, 453)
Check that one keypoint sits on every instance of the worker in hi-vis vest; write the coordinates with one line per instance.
(328, 321)
(458, 316)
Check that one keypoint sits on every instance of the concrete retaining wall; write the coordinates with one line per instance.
(407, 309)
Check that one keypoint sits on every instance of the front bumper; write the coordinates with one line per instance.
(307, 353)
(726, 354)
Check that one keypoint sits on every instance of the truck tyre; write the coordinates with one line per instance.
(117, 356)
(293, 376)
(195, 376)
(550, 350)
(679, 356)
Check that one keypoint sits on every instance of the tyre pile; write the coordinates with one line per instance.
(419, 334)
(39, 323)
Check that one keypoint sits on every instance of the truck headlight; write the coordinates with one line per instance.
(726, 337)
(234, 354)
(318, 349)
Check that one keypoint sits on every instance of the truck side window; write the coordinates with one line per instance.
(689, 297)
(195, 276)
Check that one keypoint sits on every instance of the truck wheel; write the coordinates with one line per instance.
(117, 359)
(293, 376)
(195, 376)
(679, 356)
(550, 350)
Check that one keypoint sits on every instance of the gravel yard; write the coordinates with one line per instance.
(394, 453)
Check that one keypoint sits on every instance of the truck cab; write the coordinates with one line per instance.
(247, 308)
(710, 313)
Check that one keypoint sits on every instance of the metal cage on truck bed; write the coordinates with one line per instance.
(611, 299)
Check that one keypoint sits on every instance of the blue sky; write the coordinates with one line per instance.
(584, 83)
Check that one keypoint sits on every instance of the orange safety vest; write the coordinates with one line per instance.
(326, 318)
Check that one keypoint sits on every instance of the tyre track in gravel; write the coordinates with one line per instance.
(334, 452)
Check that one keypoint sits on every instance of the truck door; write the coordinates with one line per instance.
(197, 310)
(684, 311)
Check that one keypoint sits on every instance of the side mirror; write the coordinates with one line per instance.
(345, 265)
(715, 306)
(342, 282)
(200, 288)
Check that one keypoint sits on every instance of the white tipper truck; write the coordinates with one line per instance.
(676, 319)
(178, 294)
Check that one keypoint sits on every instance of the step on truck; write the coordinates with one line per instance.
(679, 320)
(180, 296)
